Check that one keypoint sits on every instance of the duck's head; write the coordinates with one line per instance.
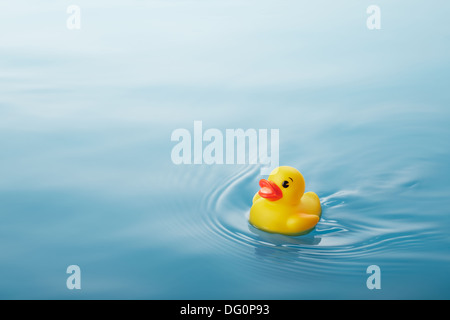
(285, 184)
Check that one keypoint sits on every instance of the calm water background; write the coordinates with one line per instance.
(86, 176)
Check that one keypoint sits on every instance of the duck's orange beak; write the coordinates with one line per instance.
(269, 190)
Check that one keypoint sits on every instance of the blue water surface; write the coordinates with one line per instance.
(87, 178)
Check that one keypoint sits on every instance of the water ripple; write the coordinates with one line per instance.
(336, 244)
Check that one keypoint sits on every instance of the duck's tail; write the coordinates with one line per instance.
(311, 204)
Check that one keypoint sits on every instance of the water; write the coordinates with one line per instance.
(87, 178)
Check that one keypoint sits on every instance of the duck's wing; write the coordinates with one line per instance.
(300, 222)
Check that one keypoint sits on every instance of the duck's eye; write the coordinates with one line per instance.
(285, 184)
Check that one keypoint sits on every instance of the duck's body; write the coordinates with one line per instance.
(281, 206)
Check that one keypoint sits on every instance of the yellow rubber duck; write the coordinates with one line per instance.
(281, 206)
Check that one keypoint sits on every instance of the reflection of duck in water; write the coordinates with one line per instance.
(281, 206)
(278, 247)
(280, 241)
